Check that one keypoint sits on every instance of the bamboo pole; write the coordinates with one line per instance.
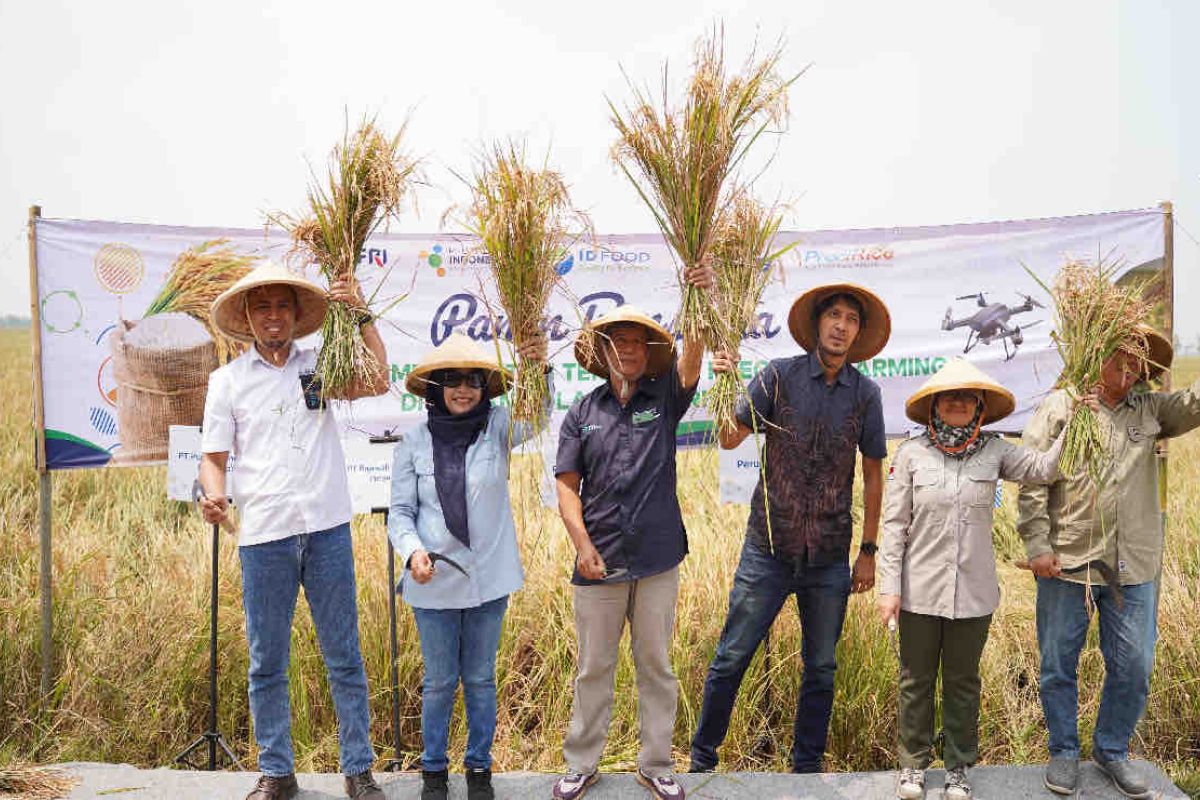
(1169, 331)
(45, 486)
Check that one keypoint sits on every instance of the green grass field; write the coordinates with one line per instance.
(131, 612)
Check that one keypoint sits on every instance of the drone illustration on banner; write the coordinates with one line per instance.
(991, 323)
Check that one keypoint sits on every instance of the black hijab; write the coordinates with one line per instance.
(452, 434)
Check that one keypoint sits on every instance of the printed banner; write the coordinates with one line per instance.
(115, 377)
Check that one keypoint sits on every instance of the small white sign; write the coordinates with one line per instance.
(740, 469)
(369, 472)
(368, 469)
(183, 463)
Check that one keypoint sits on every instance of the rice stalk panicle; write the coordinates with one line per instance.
(526, 223)
(744, 261)
(1095, 317)
(368, 178)
(679, 156)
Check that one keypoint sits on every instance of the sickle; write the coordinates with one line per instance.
(436, 557)
(1101, 566)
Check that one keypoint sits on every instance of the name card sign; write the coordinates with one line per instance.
(368, 469)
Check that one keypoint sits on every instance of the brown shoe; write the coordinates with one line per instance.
(363, 786)
(270, 787)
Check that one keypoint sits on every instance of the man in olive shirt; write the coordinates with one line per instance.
(1072, 524)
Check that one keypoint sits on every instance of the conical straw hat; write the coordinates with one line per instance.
(872, 335)
(229, 309)
(661, 344)
(958, 373)
(1161, 351)
(458, 352)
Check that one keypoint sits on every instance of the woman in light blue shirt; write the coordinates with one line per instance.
(452, 526)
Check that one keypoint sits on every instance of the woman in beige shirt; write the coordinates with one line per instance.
(937, 568)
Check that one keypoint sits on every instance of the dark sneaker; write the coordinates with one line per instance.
(271, 787)
(911, 785)
(573, 785)
(479, 784)
(435, 785)
(957, 785)
(1062, 774)
(1125, 776)
(695, 768)
(663, 787)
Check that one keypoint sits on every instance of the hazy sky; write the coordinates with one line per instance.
(912, 113)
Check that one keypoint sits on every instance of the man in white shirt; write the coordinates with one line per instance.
(290, 487)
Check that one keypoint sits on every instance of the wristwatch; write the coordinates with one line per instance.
(869, 548)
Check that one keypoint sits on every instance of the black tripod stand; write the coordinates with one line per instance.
(394, 764)
(211, 737)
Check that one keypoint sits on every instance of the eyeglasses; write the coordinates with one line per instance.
(452, 380)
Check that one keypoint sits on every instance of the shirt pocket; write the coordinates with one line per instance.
(926, 479)
(1142, 433)
(485, 469)
(979, 485)
(426, 482)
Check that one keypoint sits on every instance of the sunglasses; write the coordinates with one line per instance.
(452, 380)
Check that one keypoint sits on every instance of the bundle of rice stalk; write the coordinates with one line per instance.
(742, 259)
(679, 158)
(196, 278)
(1093, 319)
(34, 783)
(524, 220)
(368, 178)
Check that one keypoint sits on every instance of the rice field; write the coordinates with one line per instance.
(131, 617)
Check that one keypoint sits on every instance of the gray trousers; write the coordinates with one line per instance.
(600, 615)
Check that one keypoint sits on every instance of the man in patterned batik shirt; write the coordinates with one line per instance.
(817, 413)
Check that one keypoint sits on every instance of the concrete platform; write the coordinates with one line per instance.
(120, 781)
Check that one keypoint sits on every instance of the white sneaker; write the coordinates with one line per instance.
(912, 784)
(957, 786)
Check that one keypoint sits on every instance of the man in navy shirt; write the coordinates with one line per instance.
(817, 412)
(616, 494)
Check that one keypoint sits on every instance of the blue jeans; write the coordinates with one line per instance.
(1127, 639)
(272, 574)
(760, 586)
(459, 644)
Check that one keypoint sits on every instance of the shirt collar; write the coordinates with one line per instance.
(257, 356)
(646, 386)
(817, 370)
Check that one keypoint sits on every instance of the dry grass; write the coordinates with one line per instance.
(196, 278)
(28, 782)
(131, 605)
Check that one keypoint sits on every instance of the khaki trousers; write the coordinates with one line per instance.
(600, 614)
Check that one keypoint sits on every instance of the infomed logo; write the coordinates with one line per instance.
(441, 257)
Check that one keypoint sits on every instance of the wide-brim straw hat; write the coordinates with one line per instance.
(960, 374)
(1161, 352)
(589, 352)
(229, 309)
(458, 352)
(873, 334)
